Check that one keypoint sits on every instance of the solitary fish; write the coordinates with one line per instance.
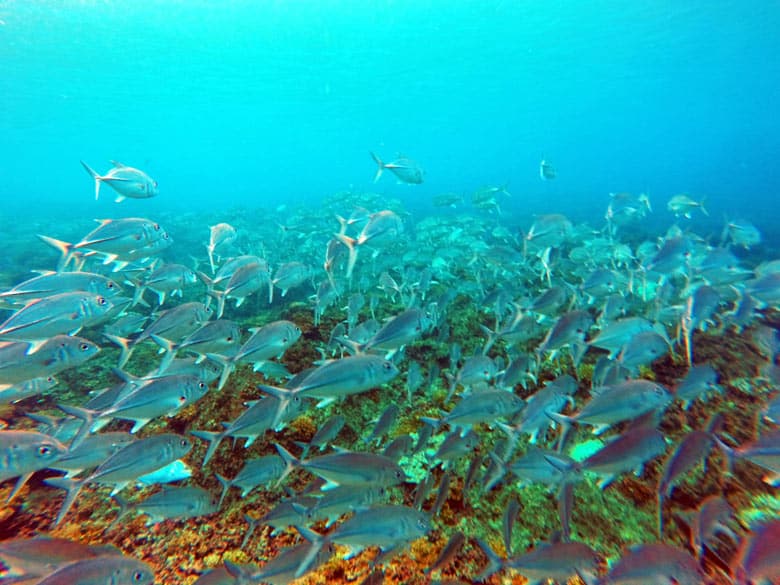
(126, 181)
(683, 205)
(404, 168)
(546, 171)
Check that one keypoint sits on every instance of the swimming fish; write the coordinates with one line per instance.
(126, 181)
(404, 168)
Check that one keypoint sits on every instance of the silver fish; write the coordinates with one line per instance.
(220, 235)
(126, 181)
(136, 459)
(54, 283)
(65, 313)
(347, 468)
(22, 453)
(255, 472)
(102, 570)
(54, 355)
(172, 502)
(116, 240)
(404, 168)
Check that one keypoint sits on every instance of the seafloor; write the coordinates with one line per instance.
(609, 520)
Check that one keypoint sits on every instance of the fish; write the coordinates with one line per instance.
(126, 181)
(742, 233)
(642, 350)
(448, 553)
(290, 275)
(682, 206)
(136, 459)
(758, 557)
(218, 337)
(91, 452)
(324, 435)
(153, 398)
(764, 452)
(117, 241)
(22, 453)
(346, 468)
(40, 555)
(337, 379)
(627, 452)
(173, 324)
(533, 419)
(388, 527)
(547, 171)
(479, 407)
(613, 404)
(54, 283)
(11, 393)
(100, 570)
(171, 503)
(247, 279)
(170, 279)
(655, 563)
(382, 226)
(405, 169)
(559, 561)
(65, 313)
(261, 415)
(221, 235)
(383, 425)
(255, 472)
(334, 503)
(699, 380)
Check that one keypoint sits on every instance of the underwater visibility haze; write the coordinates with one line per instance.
(389, 291)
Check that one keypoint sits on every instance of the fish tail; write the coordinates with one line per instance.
(124, 508)
(226, 484)
(253, 524)
(317, 543)
(124, 346)
(703, 209)
(729, 453)
(380, 164)
(284, 396)
(239, 573)
(351, 244)
(228, 367)
(210, 250)
(66, 249)
(86, 416)
(214, 439)
(290, 460)
(495, 563)
(565, 422)
(73, 487)
(95, 176)
(170, 350)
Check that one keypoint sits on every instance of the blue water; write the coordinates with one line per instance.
(257, 103)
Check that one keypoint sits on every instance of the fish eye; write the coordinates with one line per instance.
(183, 443)
(82, 347)
(284, 340)
(50, 379)
(138, 576)
(44, 450)
(229, 338)
(102, 301)
(157, 227)
(111, 285)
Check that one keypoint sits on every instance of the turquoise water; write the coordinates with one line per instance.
(236, 103)
(264, 114)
